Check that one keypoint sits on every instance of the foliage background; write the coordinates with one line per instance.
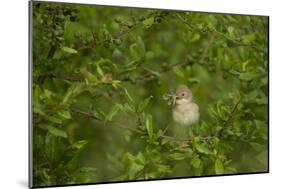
(99, 74)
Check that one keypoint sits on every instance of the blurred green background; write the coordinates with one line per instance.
(99, 76)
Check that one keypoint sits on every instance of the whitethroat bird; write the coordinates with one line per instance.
(184, 110)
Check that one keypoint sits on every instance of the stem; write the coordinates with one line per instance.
(52, 51)
(88, 114)
(232, 113)
(230, 117)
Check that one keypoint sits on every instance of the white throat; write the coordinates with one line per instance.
(183, 101)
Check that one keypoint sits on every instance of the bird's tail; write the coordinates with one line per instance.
(182, 132)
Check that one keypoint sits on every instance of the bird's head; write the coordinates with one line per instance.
(183, 95)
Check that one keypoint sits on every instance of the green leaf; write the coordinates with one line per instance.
(230, 30)
(131, 101)
(202, 148)
(195, 37)
(249, 38)
(196, 162)
(244, 65)
(179, 72)
(194, 80)
(234, 72)
(107, 63)
(117, 55)
(144, 104)
(230, 170)
(248, 76)
(258, 147)
(113, 111)
(134, 170)
(177, 156)
(79, 144)
(89, 77)
(84, 174)
(164, 168)
(137, 49)
(115, 84)
(128, 108)
(38, 110)
(219, 167)
(128, 70)
(148, 124)
(148, 22)
(262, 100)
(99, 70)
(140, 159)
(51, 147)
(72, 91)
(153, 72)
(54, 119)
(65, 114)
(260, 123)
(57, 132)
(73, 163)
(87, 169)
(149, 55)
(36, 94)
(69, 50)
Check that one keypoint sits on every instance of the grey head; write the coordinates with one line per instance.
(183, 92)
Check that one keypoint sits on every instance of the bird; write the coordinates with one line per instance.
(185, 110)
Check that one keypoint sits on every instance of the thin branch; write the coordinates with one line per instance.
(149, 76)
(88, 114)
(52, 51)
(53, 47)
(230, 117)
(163, 136)
(111, 38)
(136, 130)
(234, 109)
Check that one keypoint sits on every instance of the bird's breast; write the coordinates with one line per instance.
(186, 113)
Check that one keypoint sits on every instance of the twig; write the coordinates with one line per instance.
(52, 52)
(149, 76)
(88, 114)
(85, 113)
(116, 36)
(136, 130)
(232, 113)
(230, 117)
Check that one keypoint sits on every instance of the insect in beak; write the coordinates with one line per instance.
(170, 98)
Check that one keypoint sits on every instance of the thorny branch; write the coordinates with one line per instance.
(136, 130)
(85, 113)
(230, 117)
(234, 109)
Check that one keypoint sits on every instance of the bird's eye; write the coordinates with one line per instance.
(182, 94)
